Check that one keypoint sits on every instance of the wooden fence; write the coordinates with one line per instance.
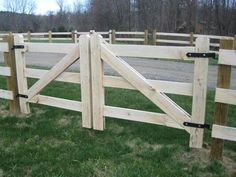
(92, 51)
(146, 37)
(224, 96)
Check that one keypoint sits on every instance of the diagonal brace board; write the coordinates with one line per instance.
(52, 74)
(141, 84)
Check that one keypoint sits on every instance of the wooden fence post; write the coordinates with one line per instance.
(113, 36)
(145, 37)
(221, 109)
(50, 36)
(97, 83)
(154, 37)
(9, 59)
(74, 37)
(29, 36)
(85, 77)
(191, 39)
(110, 36)
(199, 92)
(20, 72)
(234, 42)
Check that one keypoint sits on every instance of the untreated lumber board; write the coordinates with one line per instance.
(224, 132)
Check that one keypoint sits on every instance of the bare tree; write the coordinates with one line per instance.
(20, 6)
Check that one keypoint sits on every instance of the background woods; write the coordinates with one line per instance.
(199, 16)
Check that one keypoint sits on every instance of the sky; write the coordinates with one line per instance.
(43, 6)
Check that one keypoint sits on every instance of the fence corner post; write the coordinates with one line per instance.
(221, 109)
(9, 59)
(97, 83)
(199, 92)
(113, 36)
(145, 37)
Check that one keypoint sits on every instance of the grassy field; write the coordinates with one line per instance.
(51, 142)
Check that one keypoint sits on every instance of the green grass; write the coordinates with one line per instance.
(51, 142)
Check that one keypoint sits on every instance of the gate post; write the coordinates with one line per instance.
(10, 61)
(97, 83)
(85, 77)
(199, 92)
(19, 49)
(221, 109)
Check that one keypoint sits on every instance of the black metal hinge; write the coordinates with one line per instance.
(22, 96)
(195, 125)
(17, 47)
(201, 55)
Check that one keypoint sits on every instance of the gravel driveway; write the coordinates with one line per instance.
(150, 68)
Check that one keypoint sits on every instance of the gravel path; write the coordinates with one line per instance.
(150, 68)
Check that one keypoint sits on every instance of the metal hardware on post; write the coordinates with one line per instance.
(201, 55)
(17, 47)
(22, 96)
(196, 125)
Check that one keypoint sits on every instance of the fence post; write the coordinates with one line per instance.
(20, 72)
(29, 36)
(145, 37)
(113, 36)
(9, 59)
(234, 42)
(74, 36)
(85, 77)
(154, 37)
(110, 36)
(50, 36)
(97, 83)
(191, 39)
(199, 92)
(221, 109)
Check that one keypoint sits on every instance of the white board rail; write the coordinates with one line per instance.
(5, 71)
(226, 96)
(227, 57)
(4, 47)
(140, 116)
(6, 94)
(148, 51)
(224, 132)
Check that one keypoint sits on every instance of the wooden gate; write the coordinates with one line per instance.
(93, 51)
(155, 91)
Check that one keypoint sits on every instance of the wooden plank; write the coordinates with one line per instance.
(191, 39)
(9, 59)
(223, 132)
(146, 51)
(4, 47)
(56, 70)
(226, 96)
(86, 85)
(6, 94)
(130, 33)
(139, 82)
(140, 116)
(227, 57)
(50, 48)
(97, 83)
(70, 77)
(20, 72)
(163, 86)
(5, 71)
(178, 88)
(154, 37)
(173, 34)
(57, 102)
(113, 36)
(50, 36)
(221, 109)
(29, 36)
(172, 41)
(199, 92)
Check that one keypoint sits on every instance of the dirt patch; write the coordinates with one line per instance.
(139, 144)
(114, 128)
(64, 121)
(1, 172)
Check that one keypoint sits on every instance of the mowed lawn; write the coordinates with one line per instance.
(51, 141)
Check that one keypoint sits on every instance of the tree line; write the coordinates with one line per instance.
(199, 16)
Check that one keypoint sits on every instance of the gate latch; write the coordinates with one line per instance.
(17, 47)
(22, 96)
(196, 125)
(201, 55)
